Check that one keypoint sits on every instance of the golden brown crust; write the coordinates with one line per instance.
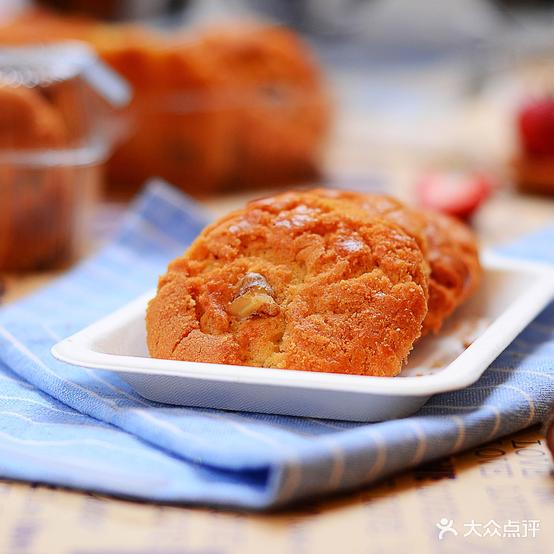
(453, 257)
(383, 205)
(449, 246)
(331, 290)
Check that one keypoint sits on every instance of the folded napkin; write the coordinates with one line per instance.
(84, 428)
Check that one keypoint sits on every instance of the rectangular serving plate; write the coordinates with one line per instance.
(511, 295)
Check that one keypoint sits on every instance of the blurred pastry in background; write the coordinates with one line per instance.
(178, 128)
(214, 109)
(34, 205)
(36, 217)
(283, 108)
(51, 150)
(534, 165)
(219, 109)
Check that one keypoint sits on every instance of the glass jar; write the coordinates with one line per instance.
(57, 125)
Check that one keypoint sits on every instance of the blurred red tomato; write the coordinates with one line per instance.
(455, 194)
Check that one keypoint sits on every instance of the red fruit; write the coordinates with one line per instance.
(535, 122)
(455, 194)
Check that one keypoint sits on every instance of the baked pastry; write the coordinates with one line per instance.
(239, 105)
(281, 105)
(383, 205)
(229, 107)
(453, 256)
(177, 130)
(295, 281)
(37, 207)
(36, 202)
(449, 247)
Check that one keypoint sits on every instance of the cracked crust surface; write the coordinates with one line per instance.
(330, 289)
(449, 246)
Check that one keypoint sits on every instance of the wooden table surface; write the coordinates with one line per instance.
(507, 482)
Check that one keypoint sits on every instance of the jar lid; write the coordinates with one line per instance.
(46, 64)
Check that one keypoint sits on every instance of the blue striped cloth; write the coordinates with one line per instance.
(87, 429)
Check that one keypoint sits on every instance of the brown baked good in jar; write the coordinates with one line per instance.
(35, 198)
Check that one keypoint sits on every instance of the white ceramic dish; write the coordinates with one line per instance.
(511, 295)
